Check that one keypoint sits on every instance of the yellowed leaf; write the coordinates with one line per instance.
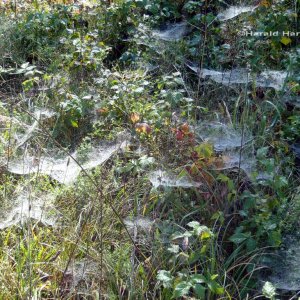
(134, 117)
(265, 3)
(285, 40)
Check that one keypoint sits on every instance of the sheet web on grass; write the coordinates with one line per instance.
(39, 115)
(20, 131)
(54, 163)
(28, 205)
(234, 11)
(172, 32)
(235, 147)
(166, 179)
(139, 228)
(268, 79)
(61, 168)
(284, 265)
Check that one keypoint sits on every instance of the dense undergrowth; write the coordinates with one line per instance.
(107, 71)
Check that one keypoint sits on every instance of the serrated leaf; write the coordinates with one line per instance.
(204, 150)
(146, 161)
(268, 290)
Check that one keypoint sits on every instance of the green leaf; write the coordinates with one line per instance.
(204, 150)
(25, 65)
(195, 256)
(251, 244)
(146, 161)
(268, 290)
(213, 277)
(182, 289)
(215, 287)
(74, 124)
(165, 277)
(281, 181)
(139, 90)
(200, 291)
(198, 278)
(173, 249)
(239, 237)
(193, 224)
(275, 238)
(27, 84)
(200, 230)
(223, 177)
(262, 152)
(203, 249)
(176, 235)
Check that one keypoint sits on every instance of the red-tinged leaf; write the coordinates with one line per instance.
(185, 128)
(179, 135)
(143, 128)
(102, 111)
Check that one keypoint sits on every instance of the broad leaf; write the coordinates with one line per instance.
(215, 287)
(200, 291)
(239, 237)
(182, 289)
(165, 277)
